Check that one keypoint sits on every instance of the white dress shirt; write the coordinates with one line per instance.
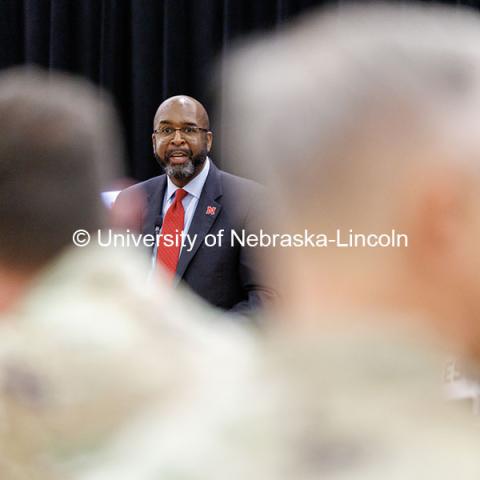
(193, 188)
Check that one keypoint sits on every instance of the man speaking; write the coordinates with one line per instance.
(194, 199)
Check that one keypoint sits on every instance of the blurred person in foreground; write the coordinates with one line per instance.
(91, 356)
(365, 121)
(360, 119)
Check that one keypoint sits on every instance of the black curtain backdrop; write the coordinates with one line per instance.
(142, 51)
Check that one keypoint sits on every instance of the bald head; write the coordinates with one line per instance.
(185, 104)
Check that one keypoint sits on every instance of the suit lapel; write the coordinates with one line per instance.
(202, 220)
(154, 205)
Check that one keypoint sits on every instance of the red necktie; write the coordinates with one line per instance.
(172, 228)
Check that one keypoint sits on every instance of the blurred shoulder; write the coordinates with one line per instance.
(235, 182)
(146, 186)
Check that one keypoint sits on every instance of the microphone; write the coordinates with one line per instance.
(158, 226)
(158, 223)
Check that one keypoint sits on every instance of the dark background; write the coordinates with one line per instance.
(142, 51)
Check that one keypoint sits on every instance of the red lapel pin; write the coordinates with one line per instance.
(210, 210)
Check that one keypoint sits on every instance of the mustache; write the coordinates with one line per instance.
(185, 151)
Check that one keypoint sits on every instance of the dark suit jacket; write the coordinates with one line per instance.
(222, 275)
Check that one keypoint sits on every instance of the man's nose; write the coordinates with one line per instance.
(177, 138)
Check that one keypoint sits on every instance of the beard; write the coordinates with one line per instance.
(187, 169)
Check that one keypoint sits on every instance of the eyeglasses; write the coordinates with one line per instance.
(186, 132)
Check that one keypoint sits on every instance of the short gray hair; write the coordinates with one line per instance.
(295, 103)
(59, 144)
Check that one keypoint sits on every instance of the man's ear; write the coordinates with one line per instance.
(153, 144)
(440, 212)
(209, 140)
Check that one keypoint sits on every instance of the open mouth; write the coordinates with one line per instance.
(178, 156)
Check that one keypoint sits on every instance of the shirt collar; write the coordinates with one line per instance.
(195, 186)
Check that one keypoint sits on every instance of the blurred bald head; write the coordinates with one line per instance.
(333, 90)
(369, 119)
(59, 147)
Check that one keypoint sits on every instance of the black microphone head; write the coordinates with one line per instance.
(159, 221)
